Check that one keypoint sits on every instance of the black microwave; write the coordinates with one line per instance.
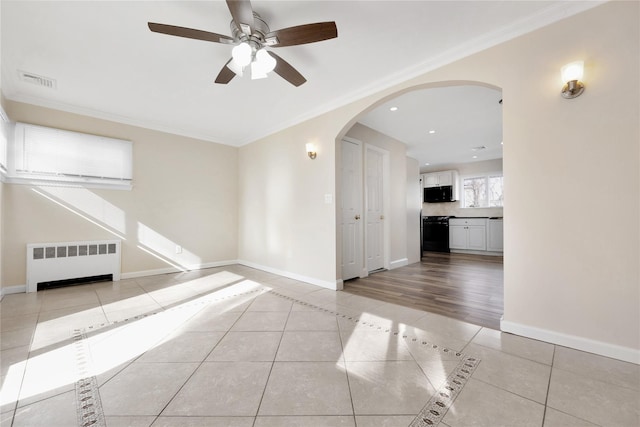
(438, 194)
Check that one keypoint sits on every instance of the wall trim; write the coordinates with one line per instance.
(8, 290)
(398, 263)
(528, 24)
(336, 285)
(601, 348)
(168, 270)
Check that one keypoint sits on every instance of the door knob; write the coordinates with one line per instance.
(357, 217)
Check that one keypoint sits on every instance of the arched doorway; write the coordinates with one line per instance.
(405, 221)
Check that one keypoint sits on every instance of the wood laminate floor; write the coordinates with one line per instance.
(461, 286)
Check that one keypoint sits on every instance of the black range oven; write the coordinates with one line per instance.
(435, 233)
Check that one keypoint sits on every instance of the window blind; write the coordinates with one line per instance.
(4, 131)
(43, 153)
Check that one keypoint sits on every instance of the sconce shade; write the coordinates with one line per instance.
(572, 71)
(311, 150)
(571, 75)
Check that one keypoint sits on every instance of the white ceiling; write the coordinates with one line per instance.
(462, 119)
(107, 64)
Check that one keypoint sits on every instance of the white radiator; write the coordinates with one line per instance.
(47, 262)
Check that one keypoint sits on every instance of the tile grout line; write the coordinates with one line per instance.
(346, 372)
(436, 408)
(199, 365)
(546, 398)
(273, 363)
(89, 409)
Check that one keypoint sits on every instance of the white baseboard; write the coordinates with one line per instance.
(398, 263)
(168, 270)
(465, 251)
(579, 343)
(333, 285)
(8, 290)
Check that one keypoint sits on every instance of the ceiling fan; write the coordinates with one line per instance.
(251, 36)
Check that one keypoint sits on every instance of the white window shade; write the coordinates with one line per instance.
(4, 131)
(42, 153)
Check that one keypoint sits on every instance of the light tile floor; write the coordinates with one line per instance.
(236, 346)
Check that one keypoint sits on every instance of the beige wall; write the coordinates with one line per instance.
(185, 193)
(567, 278)
(397, 187)
(464, 170)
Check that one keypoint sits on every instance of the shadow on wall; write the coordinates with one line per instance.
(94, 209)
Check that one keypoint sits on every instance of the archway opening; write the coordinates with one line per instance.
(455, 126)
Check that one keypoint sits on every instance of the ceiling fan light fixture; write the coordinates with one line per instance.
(257, 72)
(242, 54)
(266, 62)
(233, 66)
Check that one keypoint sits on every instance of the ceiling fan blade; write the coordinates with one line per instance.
(225, 75)
(242, 13)
(189, 33)
(303, 34)
(287, 72)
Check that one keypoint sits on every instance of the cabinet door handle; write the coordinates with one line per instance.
(357, 217)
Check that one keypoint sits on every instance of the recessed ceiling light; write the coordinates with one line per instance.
(426, 164)
(393, 109)
(475, 157)
(432, 131)
(501, 143)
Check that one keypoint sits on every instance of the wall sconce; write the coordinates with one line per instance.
(311, 150)
(571, 76)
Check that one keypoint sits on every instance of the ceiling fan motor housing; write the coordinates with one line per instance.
(254, 35)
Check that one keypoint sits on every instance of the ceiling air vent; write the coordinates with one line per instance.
(37, 80)
(479, 148)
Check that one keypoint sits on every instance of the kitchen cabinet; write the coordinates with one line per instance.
(495, 236)
(468, 234)
(439, 179)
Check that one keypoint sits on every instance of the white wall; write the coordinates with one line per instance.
(184, 193)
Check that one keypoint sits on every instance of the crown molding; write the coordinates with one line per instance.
(554, 13)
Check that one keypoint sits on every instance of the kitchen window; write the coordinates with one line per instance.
(485, 191)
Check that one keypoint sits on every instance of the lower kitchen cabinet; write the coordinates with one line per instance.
(468, 234)
(495, 235)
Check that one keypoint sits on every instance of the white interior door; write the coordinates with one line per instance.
(351, 212)
(375, 207)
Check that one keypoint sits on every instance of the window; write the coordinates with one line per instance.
(44, 155)
(482, 191)
(4, 129)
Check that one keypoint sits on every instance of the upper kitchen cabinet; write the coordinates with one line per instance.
(440, 179)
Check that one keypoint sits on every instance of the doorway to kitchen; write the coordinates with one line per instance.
(467, 286)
